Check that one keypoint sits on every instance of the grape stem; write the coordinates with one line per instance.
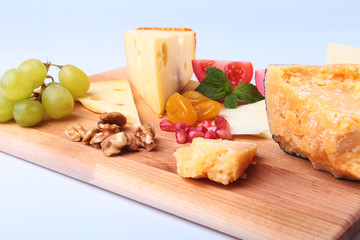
(49, 76)
(59, 66)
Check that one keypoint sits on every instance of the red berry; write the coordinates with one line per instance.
(181, 125)
(194, 134)
(221, 122)
(190, 128)
(224, 134)
(201, 129)
(206, 123)
(181, 136)
(167, 125)
(210, 134)
(212, 128)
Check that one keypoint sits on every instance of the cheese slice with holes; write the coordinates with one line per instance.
(112, 96)
(159, 63)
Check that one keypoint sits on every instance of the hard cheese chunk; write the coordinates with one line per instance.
(112, 96)
(314, 112)
(340, 53)
(159, 63)
(222, 161)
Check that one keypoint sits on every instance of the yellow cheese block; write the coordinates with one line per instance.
(340, 53)
(112, 96)
(159, 63)
(314, 112)
(222, 161)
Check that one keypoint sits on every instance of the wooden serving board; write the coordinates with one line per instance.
(283, 197)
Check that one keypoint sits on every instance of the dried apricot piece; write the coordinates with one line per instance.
(179, 108)
(207, 110)
(195, 97)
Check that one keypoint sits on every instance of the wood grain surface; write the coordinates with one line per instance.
(283, 197)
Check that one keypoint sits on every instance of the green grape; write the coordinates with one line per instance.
(6, 108)
(36, 70)
(16, 85)
(74, 80)
(57, 101)
(28, 112)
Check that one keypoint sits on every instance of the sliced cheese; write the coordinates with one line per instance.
(159, 63)
(248, 119)
(340, 53)
(112, 96)
(314, 112)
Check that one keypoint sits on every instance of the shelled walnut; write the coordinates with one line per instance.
(142, 136)
(75, 132)
(107, 135)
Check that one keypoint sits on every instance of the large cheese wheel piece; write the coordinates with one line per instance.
(159, 63)
(314, 113)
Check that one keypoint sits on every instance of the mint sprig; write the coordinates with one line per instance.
(216, 86)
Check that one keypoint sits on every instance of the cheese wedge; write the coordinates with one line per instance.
(248, 119)
(159, 63)
(314, 113)
(340, 53)
(112, 96)
(222, 161)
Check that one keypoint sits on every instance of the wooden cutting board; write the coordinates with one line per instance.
(283, 197)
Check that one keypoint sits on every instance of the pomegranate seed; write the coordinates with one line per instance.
(206, 123)
(201, 129)
(181, 125)
(221, 122)
(167, 125)
(181, 136)
(194, 134)
(224, 134)
(210, 134)
(190, 128)
(212, 128)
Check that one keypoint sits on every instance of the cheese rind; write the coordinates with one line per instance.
(159, 63)
(314, 112)
(112, 96)
(222, 161)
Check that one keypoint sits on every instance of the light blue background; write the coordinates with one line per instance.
(36, 203)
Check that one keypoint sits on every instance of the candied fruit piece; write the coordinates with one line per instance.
(195, 97)
(207, 110)
(179, 108)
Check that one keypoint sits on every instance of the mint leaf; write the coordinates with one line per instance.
(248, 92)
(215, 85)
(231, 100)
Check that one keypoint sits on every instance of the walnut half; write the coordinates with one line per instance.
(75, 132)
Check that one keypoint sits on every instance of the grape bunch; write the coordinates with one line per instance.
(26, 97)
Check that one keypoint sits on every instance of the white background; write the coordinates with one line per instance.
(36, 203)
